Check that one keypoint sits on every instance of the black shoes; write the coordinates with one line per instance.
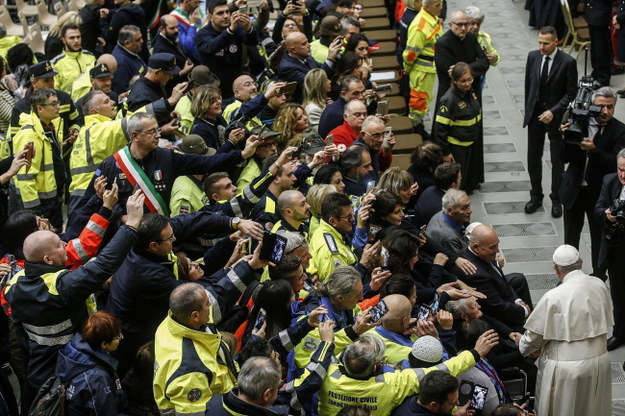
(556, 209)
(621, 93)
(614, 343)
(533, 205)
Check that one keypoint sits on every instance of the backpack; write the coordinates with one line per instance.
(50, 401)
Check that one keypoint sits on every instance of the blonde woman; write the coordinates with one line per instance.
(314, 198)
(291, 122)
(53, 45)
(316, 89)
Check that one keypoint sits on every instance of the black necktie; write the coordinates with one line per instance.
(545, 71)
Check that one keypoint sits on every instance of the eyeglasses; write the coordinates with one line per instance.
(53, 104)
(375, 135)
(170, 239)
(465, 81)
(461, 24)
(152, 132)
(348, 217)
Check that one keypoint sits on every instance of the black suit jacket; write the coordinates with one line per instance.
(561, 86)
(610, 190)
(500, 296)
(450, 50)
(601, 162)
(292, 69)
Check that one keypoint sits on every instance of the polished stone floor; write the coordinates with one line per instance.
(527, 241)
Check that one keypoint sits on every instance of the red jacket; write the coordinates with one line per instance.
(344, 136)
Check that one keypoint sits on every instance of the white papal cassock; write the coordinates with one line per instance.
(570, 325)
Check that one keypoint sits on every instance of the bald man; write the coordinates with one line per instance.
(48, 301)
(396, 329)
(297, 61)
(167, 41)
(293, 211)
(507, 296)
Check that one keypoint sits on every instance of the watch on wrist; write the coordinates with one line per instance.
(234, 223)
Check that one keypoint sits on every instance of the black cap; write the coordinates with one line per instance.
(312, 143)
(42, 69)
(100, 71)
(166, 62)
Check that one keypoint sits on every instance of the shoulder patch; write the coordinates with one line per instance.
(462, 105)
(331, 243)
(443, 109)
(194, 395)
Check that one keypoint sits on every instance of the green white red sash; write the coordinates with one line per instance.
(137, 177)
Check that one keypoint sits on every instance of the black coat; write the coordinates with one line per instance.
(561, 86)
(500, 295)
(610, 190)
(601, 161)
(449, 50)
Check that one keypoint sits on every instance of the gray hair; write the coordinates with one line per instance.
(293, 240)
(361, 357)
(348, 109)
(452, 197)
(87, 101)
(620, 154)
(184, 300)
(457, 307)
(474, 12)
(257, 375)
(127, 33)
(371, 121)
(352, 157)
(606, 92)
(571, 267)
(340, 283)
(135, 124)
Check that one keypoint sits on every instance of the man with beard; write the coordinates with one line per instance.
(355, 164)
(73, 61)
(167, 42)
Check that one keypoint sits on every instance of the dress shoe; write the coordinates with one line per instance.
(614, 343)
(556, 209)
(617, 70)
(533, 205)
(621, 93)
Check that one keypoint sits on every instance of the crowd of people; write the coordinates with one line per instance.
(201, 215)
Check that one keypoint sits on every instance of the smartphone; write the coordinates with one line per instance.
(330, 140)
(370, 186)
(30, 153)
(260, 319)
(190, 86)
(382, 108)
(175, 121)
(243, 9)
(373, 232)
(378, 311)
(465, 392)
(273, 247)
(479, 397)
(387, 135)
(424, 314)
(289, 88)
(383, 88)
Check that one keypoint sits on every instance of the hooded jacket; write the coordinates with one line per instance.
(90, 376)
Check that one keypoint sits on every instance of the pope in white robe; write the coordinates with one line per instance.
(569, 328)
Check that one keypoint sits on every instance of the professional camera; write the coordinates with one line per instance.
(615, 231)
(618, 209)
(580, 110)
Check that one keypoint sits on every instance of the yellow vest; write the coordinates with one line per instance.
(186, 118)
(423, 33)
(100, 138)
(70, 65)
(328, 251)
(186, 196)
(81, 86)
(39, 182)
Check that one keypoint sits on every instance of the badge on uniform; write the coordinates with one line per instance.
(331, 243)
(107, 390)
(462, 105)
(184, 209)
(443, 109)
(194, 395)
(121, 176)
(268, 226)
(118, 384)
(233, 48)
(158, 175)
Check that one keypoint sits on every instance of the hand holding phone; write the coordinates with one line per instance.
(378, 311)
(30, 153)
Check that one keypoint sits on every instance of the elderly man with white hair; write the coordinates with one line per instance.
(568, 332)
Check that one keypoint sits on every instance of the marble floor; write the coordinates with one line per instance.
(527, 241)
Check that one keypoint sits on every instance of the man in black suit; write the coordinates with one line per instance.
(550, 85)
(297, 61)
(507, 296)
(598, 14)
(460, 45)
(589, 162)
(612, 254)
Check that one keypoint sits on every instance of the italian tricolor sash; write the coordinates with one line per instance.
(137, 177)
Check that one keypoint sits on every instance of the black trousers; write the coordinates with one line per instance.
(616, 270)
(574, 222)
(462, 155)
(518, 281)
(535, 144)
(600, 53)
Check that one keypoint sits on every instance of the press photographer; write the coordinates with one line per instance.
(608, 211)
(590, 158)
